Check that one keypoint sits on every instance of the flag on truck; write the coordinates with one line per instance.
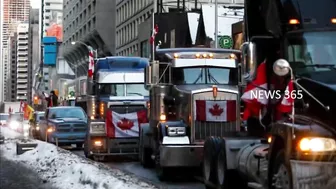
(124, 125)
(28, 112)
(91, 62)
(253, 103)
(287, 103)
(154, 32)
(216, 111)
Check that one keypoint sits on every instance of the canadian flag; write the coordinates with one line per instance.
(124, 125)
(155, 31)
(253, 104)
(287, 102)
(216, 111)
(91, 63)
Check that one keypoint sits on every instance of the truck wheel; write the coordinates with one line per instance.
(282, 175)
(211, 149)
(146, 159)
(161, 172)
(227, 179)
(86, 151)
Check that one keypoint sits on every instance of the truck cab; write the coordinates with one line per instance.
(193, 95)
(117, 98)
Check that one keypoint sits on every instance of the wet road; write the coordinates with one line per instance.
(149, 175)
(16, 176)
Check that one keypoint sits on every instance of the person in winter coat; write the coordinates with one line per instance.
(52, 99)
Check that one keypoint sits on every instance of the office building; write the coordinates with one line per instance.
(33, 51)
(13, 12)
(131, 13)
(89, 22)
(51, 24)
(12, 49)
(22, 62)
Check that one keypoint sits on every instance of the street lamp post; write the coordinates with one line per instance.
(87, 46)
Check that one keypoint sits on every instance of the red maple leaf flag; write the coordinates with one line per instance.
(253, 101)
(124, 125)
(216, 111)
(287, 102)
(154, 32)
(91, 63)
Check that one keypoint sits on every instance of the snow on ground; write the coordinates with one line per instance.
(66, 170)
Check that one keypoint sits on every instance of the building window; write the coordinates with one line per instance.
(145, 49)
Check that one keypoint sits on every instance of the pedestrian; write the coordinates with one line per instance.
(52, 99)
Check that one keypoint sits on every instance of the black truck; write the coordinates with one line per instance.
(296, 39)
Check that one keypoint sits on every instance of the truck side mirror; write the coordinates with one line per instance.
(249, 61)
(281, 67)
(151, 74)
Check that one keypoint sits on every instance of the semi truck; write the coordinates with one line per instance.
(193, 95)
(295, 39)
(116, 103)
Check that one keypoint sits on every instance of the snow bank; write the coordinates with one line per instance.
(66, 170)
(9, 133)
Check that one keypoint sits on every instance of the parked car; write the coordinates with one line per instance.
(3, 119)
(64, 125)
(34, 129)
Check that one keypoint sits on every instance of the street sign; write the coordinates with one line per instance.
(72, 93)
(225, 42)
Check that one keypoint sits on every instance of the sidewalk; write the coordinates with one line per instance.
(15, 176)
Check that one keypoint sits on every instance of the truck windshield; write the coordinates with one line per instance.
(311, 52)
(129, 89)
(205, 75)
(67, 113)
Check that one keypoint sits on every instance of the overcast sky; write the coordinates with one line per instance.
(35, 3)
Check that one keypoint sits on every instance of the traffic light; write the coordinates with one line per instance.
(36, 100)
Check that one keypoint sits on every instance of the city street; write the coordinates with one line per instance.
(149, 175)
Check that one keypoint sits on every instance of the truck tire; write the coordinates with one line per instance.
(281, 175)
(146, 159)
(211, 149)
(161, 172)
(86, 151)
(227, 179)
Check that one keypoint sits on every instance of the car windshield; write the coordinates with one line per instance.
(205, 75)
(67, 113)
(4, 117)
(311, 52)
(129, 89)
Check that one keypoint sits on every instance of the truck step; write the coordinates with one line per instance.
(255, 185)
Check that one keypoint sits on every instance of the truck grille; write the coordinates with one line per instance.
(204, 129)
(123, 109)
(77, 127)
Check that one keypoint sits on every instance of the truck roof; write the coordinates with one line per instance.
(121, 63)
(169, 52)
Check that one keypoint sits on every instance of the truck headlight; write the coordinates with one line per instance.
(317, 144)
(97, 128)
(176, 131)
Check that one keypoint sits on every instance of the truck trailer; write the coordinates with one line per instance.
(295, 40)
(116, 103)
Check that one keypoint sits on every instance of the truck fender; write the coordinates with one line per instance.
(145, 134)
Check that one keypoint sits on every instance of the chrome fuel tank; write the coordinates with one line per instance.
(157, 94)
(251, 162)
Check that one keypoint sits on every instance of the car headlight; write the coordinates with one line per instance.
(37, 128)
(176, 131)
(97, 128)
(26, 126)
(317, 144)
(14, 125)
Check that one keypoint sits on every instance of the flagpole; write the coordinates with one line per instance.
(216, 24)
(153, 45)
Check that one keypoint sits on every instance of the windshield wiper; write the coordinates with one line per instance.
(211, 77)
(200, 76)
(320, 66)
